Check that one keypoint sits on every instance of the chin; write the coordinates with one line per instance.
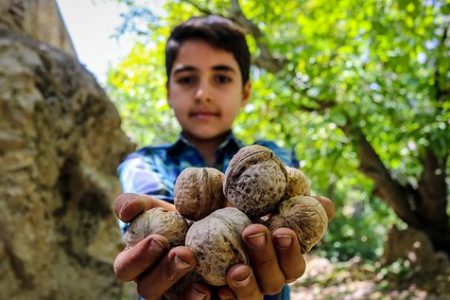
(207, 136)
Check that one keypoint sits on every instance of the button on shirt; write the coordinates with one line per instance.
(154, 170)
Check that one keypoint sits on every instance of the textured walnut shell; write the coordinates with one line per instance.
(217, 244)
(255, 180)
(298, 183)
(198, 192)
(306, 216)
(169, 224)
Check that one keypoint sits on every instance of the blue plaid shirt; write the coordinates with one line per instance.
(154, 170)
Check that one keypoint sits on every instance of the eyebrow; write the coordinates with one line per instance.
(225, 68)
(186, 68)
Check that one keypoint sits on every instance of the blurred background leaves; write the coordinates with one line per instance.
(360, 90)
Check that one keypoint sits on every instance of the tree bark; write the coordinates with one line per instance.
(422, 208)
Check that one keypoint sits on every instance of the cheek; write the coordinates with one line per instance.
(232, 112)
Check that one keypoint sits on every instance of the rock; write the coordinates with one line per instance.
(60, 144)
(414, 246)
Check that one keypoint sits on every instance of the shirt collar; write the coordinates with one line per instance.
(230, 142)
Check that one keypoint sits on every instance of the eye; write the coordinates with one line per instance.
(186, 80)
(223, 79)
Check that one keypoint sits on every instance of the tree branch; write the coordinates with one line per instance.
(402, 198)
(201, 9)
(238, 17)
(441, 94)
(300, 86)
(317, 105)
(265, 60)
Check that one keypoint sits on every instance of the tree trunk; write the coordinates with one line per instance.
(422, 208)
(60, 142)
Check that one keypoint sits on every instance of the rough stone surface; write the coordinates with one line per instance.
(60, 143)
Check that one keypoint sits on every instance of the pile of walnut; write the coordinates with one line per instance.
(256, 184)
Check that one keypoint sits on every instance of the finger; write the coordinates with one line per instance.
(328, 205)
(226, 293)
(178, 262)
(196, 291)
(258, 243)
(241, 284)
(289, 254)
(131, 262)
(128, 206)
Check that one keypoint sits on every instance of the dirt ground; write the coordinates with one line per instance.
(354, 280)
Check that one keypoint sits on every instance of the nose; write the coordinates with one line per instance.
(203, 93)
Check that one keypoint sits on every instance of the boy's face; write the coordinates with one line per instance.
(205, 90)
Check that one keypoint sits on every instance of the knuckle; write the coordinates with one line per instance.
(272, 289)
(272, 286)
(293, 274)
(121, 272)
(264, 263)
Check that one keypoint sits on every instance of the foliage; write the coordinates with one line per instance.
(382, 65)
(357, 279)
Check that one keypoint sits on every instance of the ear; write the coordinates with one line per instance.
(246, 93)
(169, 101)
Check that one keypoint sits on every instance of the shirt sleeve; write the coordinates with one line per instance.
(137, 176)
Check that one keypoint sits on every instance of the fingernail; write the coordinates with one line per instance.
(127, 212)
(283, 241)
(242, 279)
(257, 240)
(176, 265)
(122, 213)
(180, 264)
(197, 295)
(157, 246)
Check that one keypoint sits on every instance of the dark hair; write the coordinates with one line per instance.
(217, 31)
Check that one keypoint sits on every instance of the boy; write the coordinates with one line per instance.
(207, 65)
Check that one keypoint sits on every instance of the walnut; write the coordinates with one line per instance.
(198, 192)
(217, 244)
(306, 216)
(169, 224)
(298, 183)
(255, 180)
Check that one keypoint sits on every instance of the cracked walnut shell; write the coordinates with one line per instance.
(198, 192)
(305, 216)
(298, 183)
(169, 224)
(255, 180)
(217, 243)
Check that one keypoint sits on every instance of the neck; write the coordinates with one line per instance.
(207, 147)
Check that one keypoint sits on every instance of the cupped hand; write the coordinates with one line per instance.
(276, 260)
(151, 263)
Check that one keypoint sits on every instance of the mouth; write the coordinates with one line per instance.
(203, 115)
